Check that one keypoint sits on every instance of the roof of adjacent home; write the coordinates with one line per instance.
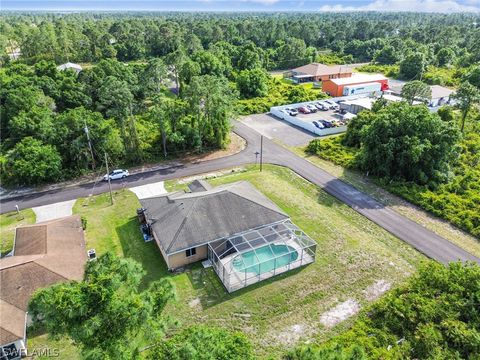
(43, 254)
(184, 220)
(317, 69)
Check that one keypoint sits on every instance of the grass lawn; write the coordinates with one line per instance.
(278, 313)
(8, 223)
(433, 223)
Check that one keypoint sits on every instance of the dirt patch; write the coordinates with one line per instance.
(339, 313)
(292, 334)
(194, 303)
(377, 289)
(236, 145)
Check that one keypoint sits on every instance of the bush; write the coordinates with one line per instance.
(332, 149)
(387, 70)
(435, 313)
(84, 222)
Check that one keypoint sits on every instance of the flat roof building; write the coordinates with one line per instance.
(370, 83)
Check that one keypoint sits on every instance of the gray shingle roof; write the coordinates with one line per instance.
(199, 185)
(184, 220)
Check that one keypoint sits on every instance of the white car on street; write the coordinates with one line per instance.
(116, 174)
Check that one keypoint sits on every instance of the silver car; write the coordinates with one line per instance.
(116, 174)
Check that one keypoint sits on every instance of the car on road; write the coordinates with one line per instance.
(312, 108)
(304, 110)
(116, 174)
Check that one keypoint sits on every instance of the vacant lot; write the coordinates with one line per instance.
(353, 257)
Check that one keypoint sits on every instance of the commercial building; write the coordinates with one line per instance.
(355, 85)
(318, 72)
(43, 254)
(244, 235)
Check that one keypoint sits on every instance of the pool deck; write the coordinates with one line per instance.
(237, 280)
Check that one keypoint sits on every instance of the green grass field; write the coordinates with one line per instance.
(8, 223)
(278, 313)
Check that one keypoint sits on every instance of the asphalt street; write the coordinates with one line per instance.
(424, 240)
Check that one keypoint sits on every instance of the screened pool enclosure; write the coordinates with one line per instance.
(258, 254)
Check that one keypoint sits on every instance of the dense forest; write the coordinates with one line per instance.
(215, 66)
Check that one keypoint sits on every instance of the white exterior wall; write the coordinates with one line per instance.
(307, 125)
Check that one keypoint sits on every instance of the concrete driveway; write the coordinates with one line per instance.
(53, 211)
(149, 190)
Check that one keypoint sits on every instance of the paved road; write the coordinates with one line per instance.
(407, 230)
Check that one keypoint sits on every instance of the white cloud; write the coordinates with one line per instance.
(432, 6)
(263, 2)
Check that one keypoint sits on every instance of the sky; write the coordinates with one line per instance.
(443, 6)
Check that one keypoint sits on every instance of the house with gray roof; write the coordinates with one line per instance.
(186, 224)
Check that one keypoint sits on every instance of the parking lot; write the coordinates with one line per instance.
(320, 115)
(280, 130)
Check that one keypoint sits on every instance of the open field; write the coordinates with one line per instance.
(8, 223)
(353, 257)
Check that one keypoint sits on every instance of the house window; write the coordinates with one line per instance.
(190, 252)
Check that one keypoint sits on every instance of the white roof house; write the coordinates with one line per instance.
(76, 67)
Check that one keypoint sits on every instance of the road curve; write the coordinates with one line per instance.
(422, 239)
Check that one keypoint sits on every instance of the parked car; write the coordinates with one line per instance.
(116, 174)
(292, 111)
(312, 108)
(333, 105)
(318, 125)
(327, 124)
(321, 106)
(303, 110)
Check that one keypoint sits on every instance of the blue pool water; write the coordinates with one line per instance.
(268, 259)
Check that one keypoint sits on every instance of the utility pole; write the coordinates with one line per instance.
(87, 132)
(108, 178)
(261, 152)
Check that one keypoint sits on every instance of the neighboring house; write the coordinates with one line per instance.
(43, 254)
(231, 225)
(441, 95)
(318, 72)
(356, 85)
(75, 67)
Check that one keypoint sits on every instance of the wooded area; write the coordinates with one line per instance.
(215, 64)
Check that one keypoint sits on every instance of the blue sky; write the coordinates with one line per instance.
(446, 6)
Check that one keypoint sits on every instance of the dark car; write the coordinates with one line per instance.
(327, 124)
(304, 110)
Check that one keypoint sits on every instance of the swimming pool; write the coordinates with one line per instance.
(269, 258)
